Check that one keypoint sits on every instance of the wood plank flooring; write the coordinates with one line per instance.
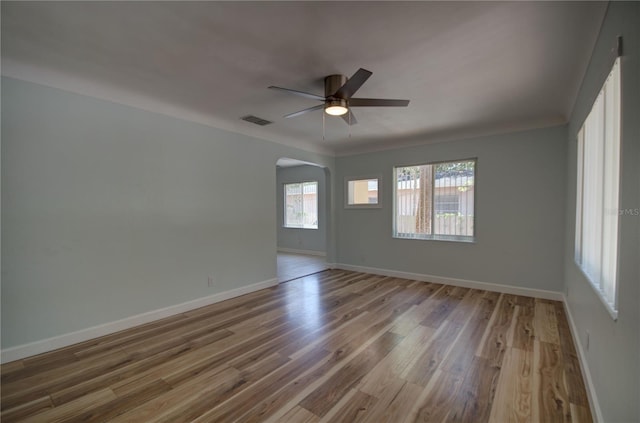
(335, 346)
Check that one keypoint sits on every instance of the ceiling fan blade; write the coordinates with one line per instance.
(353, 84)
(302, 112)
(377, 102)
(349, 118)
(300, 93)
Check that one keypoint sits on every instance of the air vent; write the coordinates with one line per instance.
(256, 120)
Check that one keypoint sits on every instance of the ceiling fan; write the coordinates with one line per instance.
(338, 100)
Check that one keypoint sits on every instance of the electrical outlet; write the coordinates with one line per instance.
(210, 281)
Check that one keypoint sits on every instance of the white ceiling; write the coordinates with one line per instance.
(469, 68)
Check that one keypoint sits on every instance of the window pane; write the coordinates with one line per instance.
(310, 205)
(598, 168)
(579, 196)
(435, 201)
(362, 191)
(301, 205)
(293, 205)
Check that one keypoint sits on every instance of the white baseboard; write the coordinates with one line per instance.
(306, 252)
(505, 289)
(60, 341)
(596, 412)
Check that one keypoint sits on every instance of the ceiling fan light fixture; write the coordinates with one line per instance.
(336, 107)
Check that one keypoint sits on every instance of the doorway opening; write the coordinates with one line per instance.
(302, 218)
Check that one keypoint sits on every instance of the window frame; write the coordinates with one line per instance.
(466, 239)
(284, 200)
(610, 304)
(369, 177)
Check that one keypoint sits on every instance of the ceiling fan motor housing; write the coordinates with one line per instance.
(333, 83)
(333, 105)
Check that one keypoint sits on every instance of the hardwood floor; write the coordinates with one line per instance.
(335, 346)
(293, 266)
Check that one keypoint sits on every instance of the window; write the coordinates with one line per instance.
(362, 192)
(301, 205)
(598, 172)
(435, 201)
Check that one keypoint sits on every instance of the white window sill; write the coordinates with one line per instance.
(449, 238)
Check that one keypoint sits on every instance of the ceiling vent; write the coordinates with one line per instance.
(256, 120)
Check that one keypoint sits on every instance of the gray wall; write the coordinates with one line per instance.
(520, 184)
(295, 238)
(109, 211)
(614, 346)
